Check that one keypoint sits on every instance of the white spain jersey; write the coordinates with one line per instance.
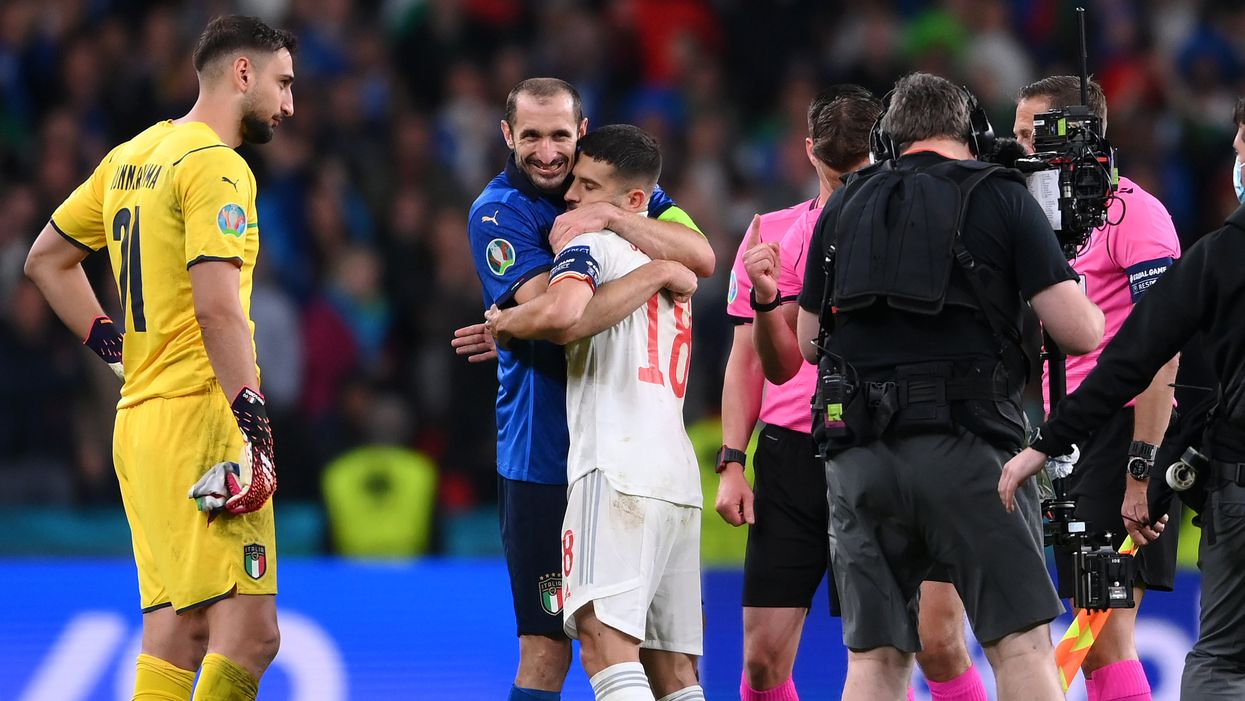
(625, 385)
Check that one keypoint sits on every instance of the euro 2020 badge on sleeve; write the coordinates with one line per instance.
(501, 256)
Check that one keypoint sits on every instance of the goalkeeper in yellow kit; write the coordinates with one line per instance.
(175, 209)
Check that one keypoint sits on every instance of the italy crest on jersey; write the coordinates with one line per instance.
(501, 256)
(255, 560)
(551, 599)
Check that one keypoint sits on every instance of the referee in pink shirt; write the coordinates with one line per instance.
(1110, 482)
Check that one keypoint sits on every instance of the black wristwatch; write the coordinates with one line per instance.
(758, 307)
(1141, 459)
(729, 455)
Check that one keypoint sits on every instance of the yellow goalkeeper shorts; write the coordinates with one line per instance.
(186, 558)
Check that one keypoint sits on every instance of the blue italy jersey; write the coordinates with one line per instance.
(508, 228)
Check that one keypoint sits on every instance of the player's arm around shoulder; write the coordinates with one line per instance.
(555, 314)
(671, 236)
(668, 233)
(628, 285)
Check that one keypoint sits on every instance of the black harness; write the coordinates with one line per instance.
(897, 242)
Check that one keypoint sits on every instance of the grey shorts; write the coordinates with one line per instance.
(905, 506)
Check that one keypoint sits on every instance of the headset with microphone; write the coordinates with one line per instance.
(980, 137)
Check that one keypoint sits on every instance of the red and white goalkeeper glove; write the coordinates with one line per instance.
(243, 486)
(106, 341)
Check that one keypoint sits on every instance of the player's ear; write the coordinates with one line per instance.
(636, 198)
(243, 72)
(583, 127)
(507, 135)
(808, 151)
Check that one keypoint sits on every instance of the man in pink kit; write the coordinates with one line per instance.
(1110, 482)
(787, 514)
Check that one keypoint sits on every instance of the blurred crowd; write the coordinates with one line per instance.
(364, 271)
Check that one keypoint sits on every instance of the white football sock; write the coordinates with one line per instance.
(689, 693)
(621, 682)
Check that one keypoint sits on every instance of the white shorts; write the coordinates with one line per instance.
(637, 561)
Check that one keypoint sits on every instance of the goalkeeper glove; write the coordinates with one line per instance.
(243, 486)
(105, 340)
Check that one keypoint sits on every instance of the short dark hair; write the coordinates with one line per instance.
(227, 34)
(634, 154)
(1238, 111)
(1065, 91)
(840, 119)
(819, 103)
(543, 89)
(926, 106)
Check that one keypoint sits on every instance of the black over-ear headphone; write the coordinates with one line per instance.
(980, 134)
(882, 146)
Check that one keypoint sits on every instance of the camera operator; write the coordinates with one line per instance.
(920, 388)
(1110, 482)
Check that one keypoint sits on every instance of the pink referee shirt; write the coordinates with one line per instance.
(785, 405)
(1118, 265)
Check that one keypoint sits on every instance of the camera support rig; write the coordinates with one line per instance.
(1103, 578)
(1070, 144)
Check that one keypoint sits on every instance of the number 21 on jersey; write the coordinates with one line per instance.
(680, 351)
(125, 229)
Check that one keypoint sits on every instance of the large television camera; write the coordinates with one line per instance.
(1072, 170)
(1071, 173)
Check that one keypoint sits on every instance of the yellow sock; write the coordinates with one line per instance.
(220, 679)
(157, 680)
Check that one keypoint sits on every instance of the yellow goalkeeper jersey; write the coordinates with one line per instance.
(169, 198)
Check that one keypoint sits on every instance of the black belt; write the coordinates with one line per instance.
(937, 391)
(1229, 471)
